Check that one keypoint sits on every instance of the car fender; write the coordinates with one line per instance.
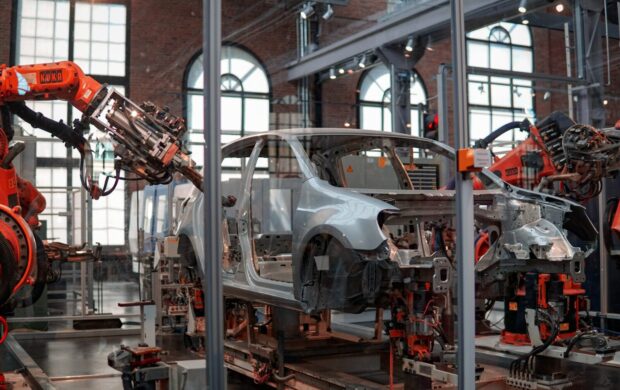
(348, 215)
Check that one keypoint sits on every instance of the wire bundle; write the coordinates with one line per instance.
(523, 367)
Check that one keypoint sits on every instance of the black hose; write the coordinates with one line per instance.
(7, 268)
(486, 141)
(525, 362)
(597, 341)
(41, 281)
(58, 129)
(6, 123)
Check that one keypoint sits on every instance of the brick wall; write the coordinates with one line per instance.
(6, 7)
(165, 36)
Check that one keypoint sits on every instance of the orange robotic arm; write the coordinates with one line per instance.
(55, 81)
(147, 140)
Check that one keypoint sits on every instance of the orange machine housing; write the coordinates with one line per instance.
(54, 81)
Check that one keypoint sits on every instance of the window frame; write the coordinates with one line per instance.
(188, 91)
(491, 109)
(386, 104)
(69, 162)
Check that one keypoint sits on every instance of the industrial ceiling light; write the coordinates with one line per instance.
(307, 10)
(409, 45)
(559, 7)
(522, 6)
(362, 63)
(332, 73)
(429, 44)
(329, 12)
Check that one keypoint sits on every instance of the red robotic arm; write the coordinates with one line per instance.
(57, 81)
(147, 140)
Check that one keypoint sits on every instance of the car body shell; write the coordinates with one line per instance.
(350, 216)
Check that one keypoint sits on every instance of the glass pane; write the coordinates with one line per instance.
(501, 95)
(195, 112)
(387, 119)
(82, 31)
(501, 57)
(231, 114)
(478, 54)
(522, 59)
(418, 95)
(370, 118)
(374, 84)
(519, 34)
(82, 11)
(479, 123)
(415, 123)
(256, 115)
(478, 93)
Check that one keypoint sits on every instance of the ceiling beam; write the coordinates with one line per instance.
(430, 18)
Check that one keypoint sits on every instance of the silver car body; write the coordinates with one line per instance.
(532, 226)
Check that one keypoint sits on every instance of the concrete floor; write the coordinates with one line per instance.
(88, 357)
(63, 358)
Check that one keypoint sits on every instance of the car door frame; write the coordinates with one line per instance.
(243, 220)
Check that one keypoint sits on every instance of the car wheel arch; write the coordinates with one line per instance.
(324, 233)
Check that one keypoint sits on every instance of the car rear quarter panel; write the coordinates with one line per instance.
(348, 216)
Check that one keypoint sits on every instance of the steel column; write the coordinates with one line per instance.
(400, 108)
(445, 173)
(466, 355)
(212, 203)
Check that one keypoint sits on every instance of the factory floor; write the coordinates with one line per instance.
(81, 363)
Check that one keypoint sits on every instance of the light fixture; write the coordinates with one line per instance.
(341, 70)
(329, 12)
(409, 45)
(307, 10)
(332, 73)
(429, 44)
(522, 6)
(559, 7)
(525, 21)
(362, 63)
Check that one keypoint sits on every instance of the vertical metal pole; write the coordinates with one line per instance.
(569, 70)
(303, 41)
(84, 236)
(607, 43)
(212, 204)
(466, 354)
(580, 52)
(603, 258)
(445, 173)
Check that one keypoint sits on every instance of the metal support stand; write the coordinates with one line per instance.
(212, 283)
(464, 212)
(148, 313)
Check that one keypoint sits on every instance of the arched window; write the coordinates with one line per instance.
(245, 98)
(494, 101)
(375, 97)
